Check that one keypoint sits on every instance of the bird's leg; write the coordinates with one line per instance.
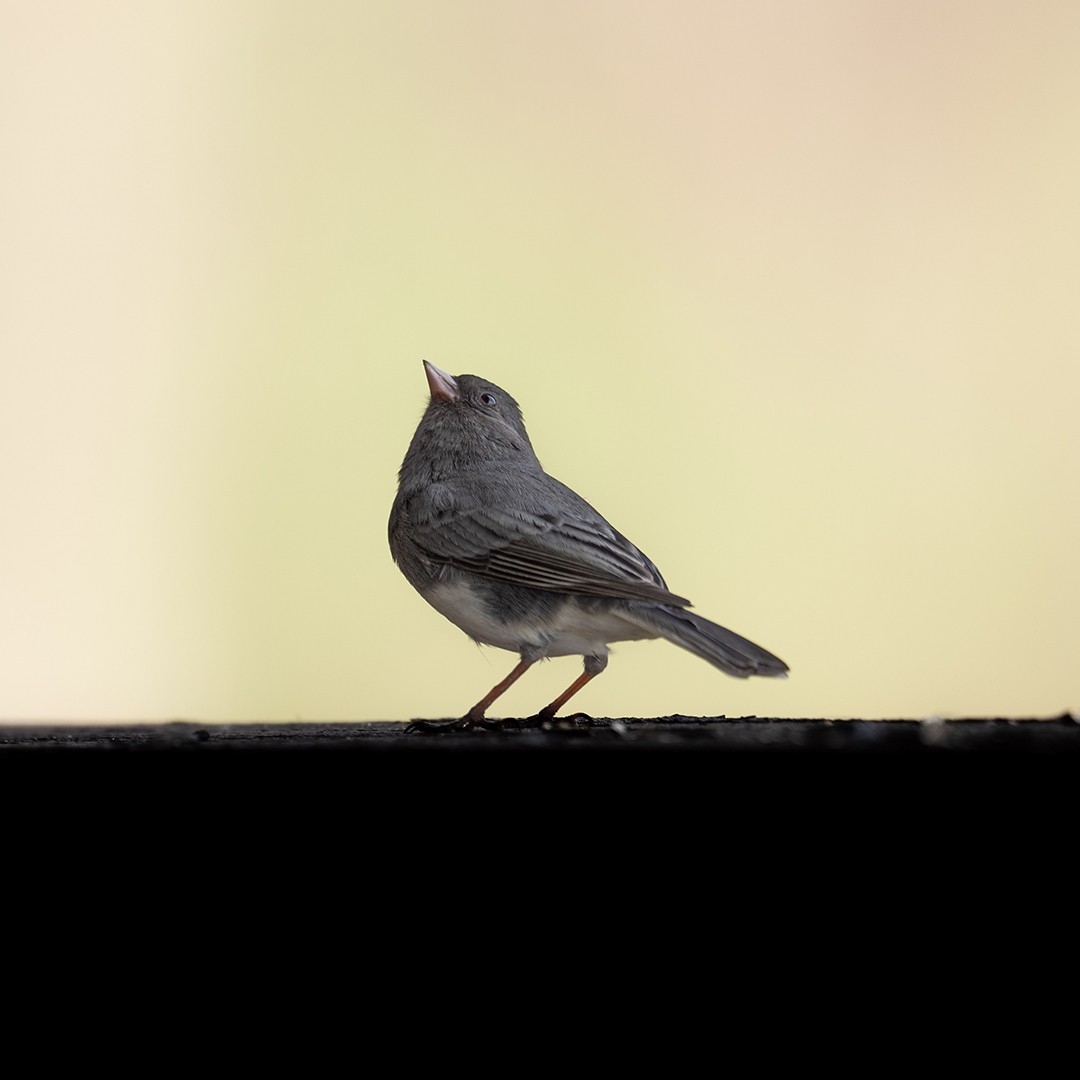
(475, 716)
(593, 666)
(548, 711)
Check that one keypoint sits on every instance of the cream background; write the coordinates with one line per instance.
(789, 290)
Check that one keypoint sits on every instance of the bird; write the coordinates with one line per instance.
(521, 562)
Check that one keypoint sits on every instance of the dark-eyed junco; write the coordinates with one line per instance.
(519, 561)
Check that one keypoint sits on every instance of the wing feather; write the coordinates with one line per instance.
(556, 542)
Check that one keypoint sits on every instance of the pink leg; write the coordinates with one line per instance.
(476, 713)
(548, 711)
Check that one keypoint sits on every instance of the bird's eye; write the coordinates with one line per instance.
(488, 399)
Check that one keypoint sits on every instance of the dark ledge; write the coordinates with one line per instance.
(741, 734)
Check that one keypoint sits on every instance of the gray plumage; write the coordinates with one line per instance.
(519, 560)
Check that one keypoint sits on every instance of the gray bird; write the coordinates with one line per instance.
(519, 561)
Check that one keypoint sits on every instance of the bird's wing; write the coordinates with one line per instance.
(559, 544)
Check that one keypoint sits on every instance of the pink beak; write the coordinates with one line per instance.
(442, 385)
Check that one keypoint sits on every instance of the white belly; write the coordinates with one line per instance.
(570, 631)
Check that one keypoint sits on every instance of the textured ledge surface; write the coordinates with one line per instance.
(669, 733)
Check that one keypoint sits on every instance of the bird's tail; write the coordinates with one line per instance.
(720, 646)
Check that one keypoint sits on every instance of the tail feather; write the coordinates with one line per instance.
(722, 647)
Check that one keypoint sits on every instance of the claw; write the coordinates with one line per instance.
(436, 727)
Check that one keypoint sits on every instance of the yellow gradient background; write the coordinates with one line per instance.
(789, 290)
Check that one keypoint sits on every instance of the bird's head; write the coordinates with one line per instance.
(471, 418)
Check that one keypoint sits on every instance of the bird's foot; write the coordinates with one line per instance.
(439, 727)
(510, 723)
(542, 720)
(582, 720)
(549, 722)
